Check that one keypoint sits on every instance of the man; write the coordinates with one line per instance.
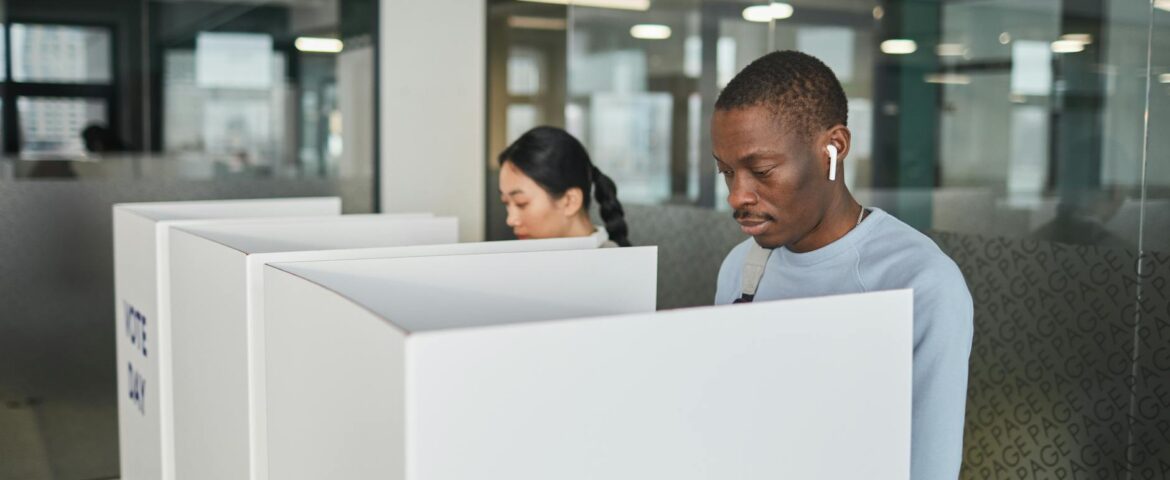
(776, 127)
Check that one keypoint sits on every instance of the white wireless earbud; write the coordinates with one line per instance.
(832, 162)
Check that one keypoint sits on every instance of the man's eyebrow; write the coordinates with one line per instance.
(762, 154)
(756, 156)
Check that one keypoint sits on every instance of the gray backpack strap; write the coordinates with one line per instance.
(753, 271)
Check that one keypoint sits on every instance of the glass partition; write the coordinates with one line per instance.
(149, 100)
(1027, 138)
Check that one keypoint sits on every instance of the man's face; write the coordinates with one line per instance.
(777, 187)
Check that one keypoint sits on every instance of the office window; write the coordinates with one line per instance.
(61, 83)
(61, 54)
(53, 125)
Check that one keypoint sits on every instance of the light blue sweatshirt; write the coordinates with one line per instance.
(882, 253)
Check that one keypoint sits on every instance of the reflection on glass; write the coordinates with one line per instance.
(630, 141)
(524, 71)
(245, 94)
(105, 105)
(522, 117)
(233, 60)
(60, 54)
(1156, 159)
(3, 52)
(238, 127)
(637, 103)
(53, 126)
(992, 123)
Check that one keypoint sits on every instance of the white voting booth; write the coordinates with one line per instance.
(474, 367)
(213, 271)
(142, 342)
(226, 456)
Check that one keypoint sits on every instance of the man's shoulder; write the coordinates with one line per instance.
(908, 256)
(899, 256)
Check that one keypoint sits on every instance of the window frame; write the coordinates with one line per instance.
(11, 89)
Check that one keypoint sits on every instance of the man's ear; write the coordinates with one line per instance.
(839, 136)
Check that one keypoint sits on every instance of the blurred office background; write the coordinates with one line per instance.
(133, 100)
(1029, 138)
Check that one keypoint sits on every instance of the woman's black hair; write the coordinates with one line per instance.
(556, 161)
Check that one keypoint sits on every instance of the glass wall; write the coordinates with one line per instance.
(1027, 138)
(149, 100)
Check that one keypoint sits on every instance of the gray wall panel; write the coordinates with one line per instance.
(691, 245)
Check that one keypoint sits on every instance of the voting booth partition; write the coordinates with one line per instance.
(213, 364)
(235, 446)
(142, 341)
(440, 368)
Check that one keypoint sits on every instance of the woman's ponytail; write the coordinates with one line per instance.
(612, 214)
(557, 162)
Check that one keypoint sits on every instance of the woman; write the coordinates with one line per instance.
(545, 182)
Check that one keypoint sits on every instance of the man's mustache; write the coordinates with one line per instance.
(750, 215)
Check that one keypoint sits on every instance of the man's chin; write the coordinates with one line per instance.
(768, 240)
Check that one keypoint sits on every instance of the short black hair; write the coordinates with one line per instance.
(799, 89)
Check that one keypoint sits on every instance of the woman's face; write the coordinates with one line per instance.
(532, 212)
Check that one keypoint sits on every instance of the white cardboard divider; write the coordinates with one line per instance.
(142, 342)
(256, 381)
(215, 318)
(246, 237)
(442, 369)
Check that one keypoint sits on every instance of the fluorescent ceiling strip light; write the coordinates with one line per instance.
(536, 23)
(1083, 38)
(767, 13)
(948, 79)
(899, 46)
(640, 5)
(1067, 46)
(318, 45)
(649, 31)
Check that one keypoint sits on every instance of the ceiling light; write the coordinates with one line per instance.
(878, 12)
(767, 13)
(1164, 78)
(899, 46)
(318, 45)
(948, 78)
(1005, 38)
(1083, 38)
(650, 31)
(950, 50)
(780, 10)
(1162, 5)
(536, 23)
(1067, 46)
(641, 5)
(758, 13)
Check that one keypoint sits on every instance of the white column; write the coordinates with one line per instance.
(432, 89)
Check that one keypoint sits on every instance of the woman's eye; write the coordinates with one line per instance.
(521, 205)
